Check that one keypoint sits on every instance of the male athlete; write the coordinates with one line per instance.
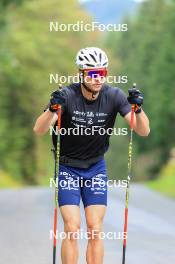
(90, 106)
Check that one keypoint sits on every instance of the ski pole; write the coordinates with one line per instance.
(57, 156)
(128, 180)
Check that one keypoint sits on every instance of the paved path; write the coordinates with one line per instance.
(26, 217)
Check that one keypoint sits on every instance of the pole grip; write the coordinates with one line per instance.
(59, 117)
(132, 117)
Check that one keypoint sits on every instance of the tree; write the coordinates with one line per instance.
(29, 53)
(146, 53)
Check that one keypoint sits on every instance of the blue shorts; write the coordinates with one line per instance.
(89, 184)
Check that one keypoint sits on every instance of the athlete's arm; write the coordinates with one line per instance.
(49, 117)
(141, 123)
(44, 121)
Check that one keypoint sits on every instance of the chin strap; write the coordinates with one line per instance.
(85, 86)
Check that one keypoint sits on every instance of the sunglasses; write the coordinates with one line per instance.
(96, 73)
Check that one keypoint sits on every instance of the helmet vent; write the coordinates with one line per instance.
(86, 58)
(80, 58)
(89, 65)
(92, 56)
(100, 57)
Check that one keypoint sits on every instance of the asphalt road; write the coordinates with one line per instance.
(26, 218)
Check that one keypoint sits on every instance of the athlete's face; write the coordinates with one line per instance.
(94, 79)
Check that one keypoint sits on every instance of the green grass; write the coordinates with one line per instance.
(6, 181)
(166, 182)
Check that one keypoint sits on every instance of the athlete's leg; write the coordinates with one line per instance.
(69, 200)
(94, 220)
(71, 218)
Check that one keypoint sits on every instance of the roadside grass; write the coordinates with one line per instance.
(6, 181)
(166, 181)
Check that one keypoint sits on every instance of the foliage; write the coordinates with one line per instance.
(29, 53)
(147, 54)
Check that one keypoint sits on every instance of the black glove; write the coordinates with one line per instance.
(57, 98)
(135, 98)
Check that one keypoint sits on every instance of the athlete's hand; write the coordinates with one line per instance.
(135, 98)
(57, 98)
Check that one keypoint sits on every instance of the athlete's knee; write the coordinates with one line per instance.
(94, 230)
(71, 229)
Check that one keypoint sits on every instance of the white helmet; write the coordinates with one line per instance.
(91, 58)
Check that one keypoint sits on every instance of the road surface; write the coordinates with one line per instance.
(26, 218)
